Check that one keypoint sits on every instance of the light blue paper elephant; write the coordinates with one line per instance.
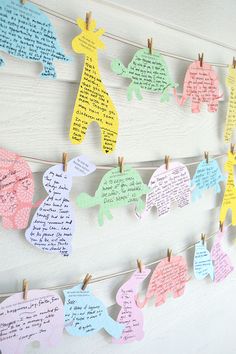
(202, 263)
(27, 33)
(85, 314)
(208, 175)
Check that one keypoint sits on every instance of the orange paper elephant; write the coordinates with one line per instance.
(93, 103)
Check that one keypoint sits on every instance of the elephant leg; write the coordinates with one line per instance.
(161, 298)
(112, 327)
(164, 208)
(7, 222)
(223, 212)
(178, 291)
(165, 97)
(22, 218)
(109, 137)
(48, 70)
(217, 188)
(212, 106)
(108, 214)
(195, 106)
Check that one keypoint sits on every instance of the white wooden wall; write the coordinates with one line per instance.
(35, 116)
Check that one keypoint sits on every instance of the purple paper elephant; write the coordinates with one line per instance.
(200, 85)
(39, 318)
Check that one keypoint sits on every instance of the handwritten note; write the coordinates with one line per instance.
(147, 71)
(202, 263)
(168, 187)
(222, 264)
(229, 199)
(85, 314)
(116, 189)
(16, 190)
(207, 175)
(53, 224)
(39, 318)
(130, 315)
(201, 85)
(169, 276)
(27, 33)
(93, 103)
(231, 112)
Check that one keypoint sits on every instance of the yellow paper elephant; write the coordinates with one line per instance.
(229, 200)
(93, 103)
(231, 112)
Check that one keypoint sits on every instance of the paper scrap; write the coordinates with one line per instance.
(201, 85)
(169, 276)
(39, 318)
(222, 263)
(93, 103)
(229, 199)
(53, 224)
(202, 263)
(16, 190)
(146, 71)
(27, 33)
(168, 187)
(85, 314)
(208, 175)
(231, 111)
(116, 190)
(130, 314)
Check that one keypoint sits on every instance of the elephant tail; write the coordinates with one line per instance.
(180, 101)
(114, 328)
(37, 204)
(85, 200)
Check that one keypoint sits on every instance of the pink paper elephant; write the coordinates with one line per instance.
(169, 276)
(200, 85)
(130, 314)
(16, 190)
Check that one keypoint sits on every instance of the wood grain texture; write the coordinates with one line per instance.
(35, 116)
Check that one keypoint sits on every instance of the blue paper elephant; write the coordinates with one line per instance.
(207, 175)
(202, 263)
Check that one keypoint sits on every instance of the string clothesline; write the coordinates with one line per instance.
(127, 41)
(117, 274)
(108, 167)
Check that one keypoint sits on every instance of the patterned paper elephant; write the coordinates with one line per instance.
(16, 190)
(169, 276)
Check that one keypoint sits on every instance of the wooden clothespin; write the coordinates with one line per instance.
(25, 289)
(87, 279)
(234, 63)
(64, 161)
(221, 226)
(139, 265)
(121, 163)
(200, 58)
(167, 160)
(232, 148)
(88, 19)
(150, 45)
(169, 254)
(206, 155)
(23, 2)
(203, 238)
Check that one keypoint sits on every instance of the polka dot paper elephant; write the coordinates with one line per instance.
(16, 190)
